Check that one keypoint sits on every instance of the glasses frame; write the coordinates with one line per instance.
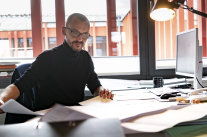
(76, 33)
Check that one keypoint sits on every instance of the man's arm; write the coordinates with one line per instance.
(102, 92)
(10, 92)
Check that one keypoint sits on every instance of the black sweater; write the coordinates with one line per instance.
(61, 75)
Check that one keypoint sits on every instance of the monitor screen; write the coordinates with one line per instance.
(188, 54)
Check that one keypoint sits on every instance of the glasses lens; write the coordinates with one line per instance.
(85, 35)
(75, 33)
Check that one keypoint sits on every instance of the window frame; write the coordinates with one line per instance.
(146, 40)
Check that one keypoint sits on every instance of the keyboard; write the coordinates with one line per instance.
(162, 90)
(182, 86)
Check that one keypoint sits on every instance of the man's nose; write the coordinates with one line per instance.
(80, 38)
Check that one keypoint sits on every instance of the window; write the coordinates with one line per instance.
(114, 32)
(48, 24)
(51, 42)
(20, 43)
(101, 46)
(29, 42)
(89, 46)
(4, 45)
(15, 25)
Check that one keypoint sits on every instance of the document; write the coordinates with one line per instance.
(127, 95)
(96, 101)
(136, 94)
(13, 106)
(100, 108)
(120, 84)
(144, 115)
(167, 119)
(60, 113)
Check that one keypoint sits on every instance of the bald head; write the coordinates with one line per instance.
(76, 16)
(76, 31)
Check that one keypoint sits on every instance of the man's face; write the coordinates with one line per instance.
(76, 34)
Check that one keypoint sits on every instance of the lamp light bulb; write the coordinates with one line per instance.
(162, 14)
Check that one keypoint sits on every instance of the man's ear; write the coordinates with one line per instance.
(63, 31)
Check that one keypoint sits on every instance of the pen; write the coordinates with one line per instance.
(37, 125)
(38, 122)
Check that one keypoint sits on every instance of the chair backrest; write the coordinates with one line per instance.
(26, 98)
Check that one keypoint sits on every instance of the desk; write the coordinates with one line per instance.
(158, 122)
(165, 133)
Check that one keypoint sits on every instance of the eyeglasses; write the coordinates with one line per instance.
(76, 33)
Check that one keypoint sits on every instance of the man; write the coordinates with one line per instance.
(62, 72)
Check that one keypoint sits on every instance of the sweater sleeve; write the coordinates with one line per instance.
(93, 82)
(33, 74)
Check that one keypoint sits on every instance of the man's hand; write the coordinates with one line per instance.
(10, 92)
(105, 93)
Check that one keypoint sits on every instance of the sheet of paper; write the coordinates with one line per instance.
(119, 84)
(101, 108)
(126, 95)
(13, 106)
(139, 94)
(60, 113)
(96, 101)
(143, 115)
(167, 119)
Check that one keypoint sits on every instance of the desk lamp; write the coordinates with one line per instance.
(163, 10)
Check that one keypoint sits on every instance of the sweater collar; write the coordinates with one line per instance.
(69, 49)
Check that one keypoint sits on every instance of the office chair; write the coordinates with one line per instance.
(27, 99)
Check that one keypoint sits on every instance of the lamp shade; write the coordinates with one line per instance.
(162, 11)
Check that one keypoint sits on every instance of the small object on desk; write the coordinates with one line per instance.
(163, 90)
(198, 91)
(158, 82)
(167, 95)
(196, 101)
(182, 100)
(183, 86)
(199, 99)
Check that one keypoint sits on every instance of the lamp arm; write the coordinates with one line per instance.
(193, 10)
(197, 12)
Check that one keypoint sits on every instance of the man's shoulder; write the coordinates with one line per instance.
(84, 52)
(52, 51)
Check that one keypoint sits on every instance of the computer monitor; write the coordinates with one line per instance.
(189, 56)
